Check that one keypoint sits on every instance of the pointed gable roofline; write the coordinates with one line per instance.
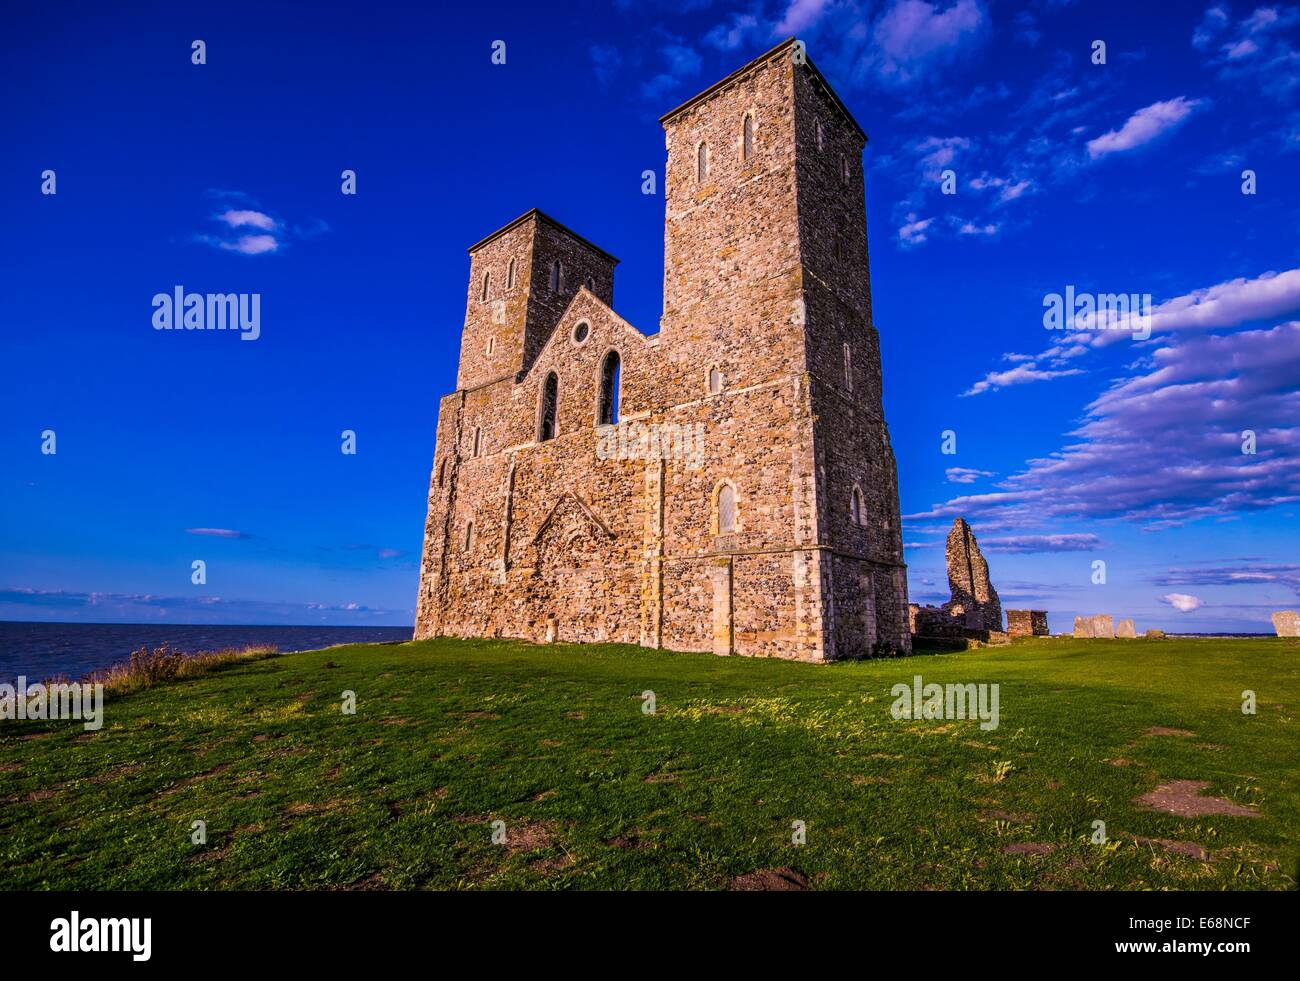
(540, 215)
(758, 62)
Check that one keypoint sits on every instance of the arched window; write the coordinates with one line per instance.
(487, 279)
(557, 276)
(839, 249)
(715, 381)
(702, 163)
(821, 136)
(848, 367)
(478, 440)
(591, 283)
(469, 535)
(747, 138)
(491, 345)
(844, 168)
(510, 275)
(550, 398)
(610, 371)
(726, 509)
(855, 507)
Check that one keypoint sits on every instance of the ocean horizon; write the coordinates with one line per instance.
(38, 650)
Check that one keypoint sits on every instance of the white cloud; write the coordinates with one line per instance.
(800, 15)
(913, 34)
(913, 231)
(1182, 602)
(1020, 375)
(965, 475)
(252, 244)
(1144, 126)
(257, 219)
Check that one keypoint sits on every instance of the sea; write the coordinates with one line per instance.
(39, 651)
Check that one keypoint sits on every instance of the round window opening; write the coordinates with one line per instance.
(580, 333)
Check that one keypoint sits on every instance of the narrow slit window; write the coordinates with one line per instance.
(610, 376)
(747, 138)
(550, 399)
(510, 275)
(487, 280)
(726, 509)
(702, 163)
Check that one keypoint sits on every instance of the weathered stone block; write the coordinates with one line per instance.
(1098, 625)
(1287, 623)
(1125, 628)
(1027, 623)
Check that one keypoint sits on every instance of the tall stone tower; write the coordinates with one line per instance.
(779, 533)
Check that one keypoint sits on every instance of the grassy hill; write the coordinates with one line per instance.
(450, 736)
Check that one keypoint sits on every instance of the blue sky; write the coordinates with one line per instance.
(1072, 446)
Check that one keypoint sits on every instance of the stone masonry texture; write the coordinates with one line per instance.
(779, 533)
(1287, 623)
(1027, 623)
(973, 596)
(1098, 625)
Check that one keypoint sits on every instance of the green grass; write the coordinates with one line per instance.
(451, 735)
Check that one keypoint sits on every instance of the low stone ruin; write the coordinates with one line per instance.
(1098, 625)
(1287, 623)
(1027, 623)
(1125, 628)
(974, 612)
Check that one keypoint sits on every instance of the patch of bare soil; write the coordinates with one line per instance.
(550, 743)
(1166, 731)
(859, 780)
(276, 754)
(299, 808)
(1189, 848)
(575, 715)
(528, 837)
(371, 883)
(1118, 761)
(784, 879)
(627, 841)
(10, 767)
(209, 855)
(661, 778)
(116, 773)
(1029, 848)
(1184, 798)
(481, 715)
(187, 781)
(1011, 817)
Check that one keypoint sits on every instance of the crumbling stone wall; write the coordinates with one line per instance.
(549, 539)
(1098, 625)
(973, 596)
(1027, 623)
(1287, 623)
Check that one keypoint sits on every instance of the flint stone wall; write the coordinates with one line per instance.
(766, 283)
